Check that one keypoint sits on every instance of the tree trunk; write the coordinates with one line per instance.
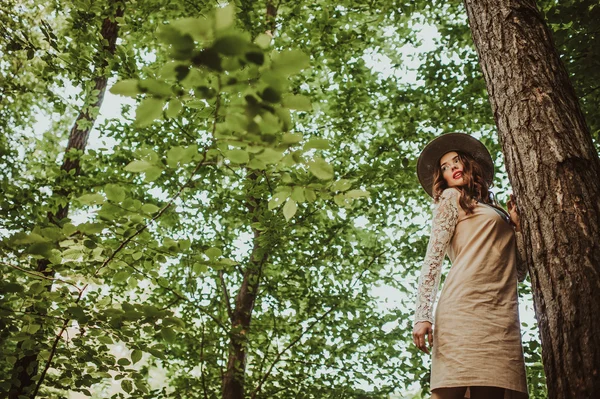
(553, 166)
(27, 366)
(234, 378)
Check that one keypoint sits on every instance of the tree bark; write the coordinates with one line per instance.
(234, 378)
(27, 366)
(553, 167)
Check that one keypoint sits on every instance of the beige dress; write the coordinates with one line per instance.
(477, 339)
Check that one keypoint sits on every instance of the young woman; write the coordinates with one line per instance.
(476, 346)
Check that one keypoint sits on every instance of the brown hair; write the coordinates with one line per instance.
(475, 186)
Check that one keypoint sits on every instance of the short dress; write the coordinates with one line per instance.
(477, 337)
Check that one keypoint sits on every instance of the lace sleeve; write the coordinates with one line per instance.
(521, 258)
(445, 217)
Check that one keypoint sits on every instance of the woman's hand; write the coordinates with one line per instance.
(420, 330)
(514, 213)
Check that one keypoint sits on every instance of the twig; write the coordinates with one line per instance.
(278, 357)
(41, 276)
(226, 296)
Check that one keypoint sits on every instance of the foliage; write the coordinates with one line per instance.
(285, 163)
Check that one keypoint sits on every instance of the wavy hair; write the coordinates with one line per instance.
(475, 186)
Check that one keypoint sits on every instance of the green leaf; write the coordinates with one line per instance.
(149, 109)
(32, 328)
(256, 164)
(173, 108)
(310, 194)
(290, 62)
(263, 40)
(156, 87)
(199, 268)
(357, 194)
(237, 122)
(298, 194)
(127, 87)
(341, 185)
(138, 166)
(321, 169)
(182, 43)
(297, 102)
(31, 238)
(289, 209)
(213, 253)
(136, 356)
(168, 334)
(291, 138)
(114, 192)
(270, 155)
(91, 199)
(237, 156)
(232, 45)
(150, 208)
(224, 17)
(121, 276)
(123, 361)
(198, 28)
(317, 143)
(127, 386)
(278, 199)
(152, 173)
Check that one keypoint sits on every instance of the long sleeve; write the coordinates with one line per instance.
(445, 217)
(521, 258)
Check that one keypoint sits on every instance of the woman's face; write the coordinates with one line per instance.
(452, 169)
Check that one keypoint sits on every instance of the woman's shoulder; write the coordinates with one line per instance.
(450, 193)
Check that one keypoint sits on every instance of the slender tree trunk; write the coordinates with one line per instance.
(554, 169)
(26, 368)
(235, 376)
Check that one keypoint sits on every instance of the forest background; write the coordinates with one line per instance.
(233, 230)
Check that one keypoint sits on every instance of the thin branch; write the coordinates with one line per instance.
(280, 354)
(41, 276)
(226, 296)
(31, 313)
(154, 218)
(298, 338)
(266, 351)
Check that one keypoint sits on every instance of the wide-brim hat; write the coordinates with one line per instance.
(433, 152)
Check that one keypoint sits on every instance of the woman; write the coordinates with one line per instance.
(476, 347)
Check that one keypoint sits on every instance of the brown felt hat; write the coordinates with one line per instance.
(433, 152)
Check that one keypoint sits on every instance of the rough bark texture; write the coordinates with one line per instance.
(26, 368)
(553, 168)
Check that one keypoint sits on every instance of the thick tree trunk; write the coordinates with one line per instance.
(554, 168)
(26, 368)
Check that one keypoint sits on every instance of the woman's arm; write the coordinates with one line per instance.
(521, 256)
(445, 217)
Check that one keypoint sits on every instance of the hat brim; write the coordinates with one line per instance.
(433, 152)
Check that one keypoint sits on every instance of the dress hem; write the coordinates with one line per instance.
(483, 384)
